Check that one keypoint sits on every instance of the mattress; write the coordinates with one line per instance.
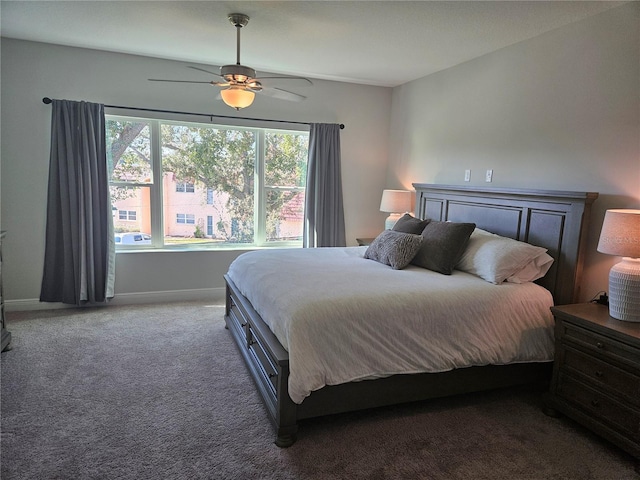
(344, 318)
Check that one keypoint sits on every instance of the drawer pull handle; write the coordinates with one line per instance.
(599, 373)
(600, 345)
(271, 375)
(595, 403)
(252, 342)
(243, 325)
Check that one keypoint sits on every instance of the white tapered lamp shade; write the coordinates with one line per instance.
(396, 203)
(620, 236)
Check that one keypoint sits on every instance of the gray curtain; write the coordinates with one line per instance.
(324, 211)
(80, 248)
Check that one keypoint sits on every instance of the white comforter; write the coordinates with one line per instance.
(344, 318)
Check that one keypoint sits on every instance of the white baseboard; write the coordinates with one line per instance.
(214, 295)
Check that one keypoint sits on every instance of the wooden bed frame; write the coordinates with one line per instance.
(556, 220)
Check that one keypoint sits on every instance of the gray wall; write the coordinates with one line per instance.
(31, 71)
(560, 111)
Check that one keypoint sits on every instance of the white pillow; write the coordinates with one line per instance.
(535, 269)
(497, 259)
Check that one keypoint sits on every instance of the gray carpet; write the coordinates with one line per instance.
(160, 392)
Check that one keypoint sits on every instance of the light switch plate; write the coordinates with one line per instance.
(489, 176)
(467, 175)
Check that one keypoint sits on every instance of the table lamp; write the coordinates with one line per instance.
(620, 236)
(396, 203)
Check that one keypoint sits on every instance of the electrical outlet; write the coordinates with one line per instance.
(467, 175)
(489, 176)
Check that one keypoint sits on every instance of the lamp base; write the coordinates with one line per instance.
(391, 220)
(624, 290)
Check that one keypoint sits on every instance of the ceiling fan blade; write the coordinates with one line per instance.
(281, 94)
(217, 74)
(177, 81)
(217, 84)
(303, 81)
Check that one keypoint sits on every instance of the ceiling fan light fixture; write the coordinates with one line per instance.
(237, 73)
(237, 97)
(240, 81)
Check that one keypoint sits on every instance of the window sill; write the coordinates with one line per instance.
(204, 248)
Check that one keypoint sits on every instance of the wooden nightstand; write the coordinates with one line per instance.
(596, 373)
(364, 241)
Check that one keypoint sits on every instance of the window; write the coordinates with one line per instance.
(189, 218)
(185, 187)
(210, 225)
(128, 215)
(191, 184)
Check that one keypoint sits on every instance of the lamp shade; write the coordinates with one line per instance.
(395, 201)
(620, 234)
(237, 97)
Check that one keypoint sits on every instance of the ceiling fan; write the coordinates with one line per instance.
(241, 82)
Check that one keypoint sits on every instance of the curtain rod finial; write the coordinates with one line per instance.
(46, 100)
(342, 126)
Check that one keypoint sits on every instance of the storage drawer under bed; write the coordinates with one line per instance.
(265, 357)
(251, 341)
(237, 322)
(266, 364)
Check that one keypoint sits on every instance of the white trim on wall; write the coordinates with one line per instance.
(214, 295)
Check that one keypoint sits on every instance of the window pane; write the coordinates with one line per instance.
(285, 178)
(286, 159)
(217, 166)
(131, 210)
(285, 210)
(129, 151)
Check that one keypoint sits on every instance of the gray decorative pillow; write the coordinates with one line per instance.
(442, 246)
(395, 249)
(410, 224)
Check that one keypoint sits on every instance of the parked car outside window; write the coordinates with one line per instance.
(133, 238)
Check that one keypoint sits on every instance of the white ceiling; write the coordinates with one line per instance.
(385, 43)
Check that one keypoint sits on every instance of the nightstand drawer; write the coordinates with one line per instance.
(601, 345)
(603, 408)
(611, 379)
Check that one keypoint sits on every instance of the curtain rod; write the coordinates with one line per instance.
(47, 101)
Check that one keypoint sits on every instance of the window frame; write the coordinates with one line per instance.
(156, 184)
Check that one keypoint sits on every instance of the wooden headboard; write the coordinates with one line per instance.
(555, 220)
